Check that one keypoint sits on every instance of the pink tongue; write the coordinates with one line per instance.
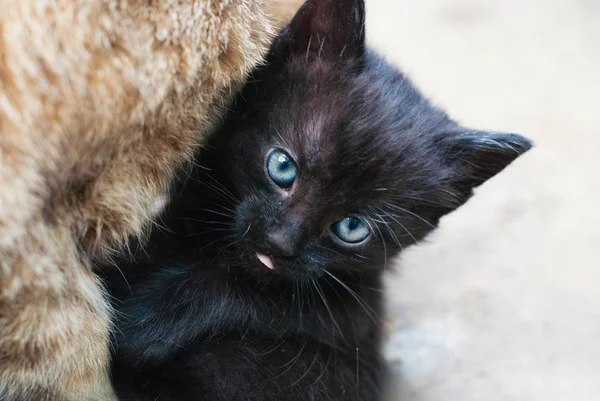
(265, 260)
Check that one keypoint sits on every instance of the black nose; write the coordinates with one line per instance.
(285, 240)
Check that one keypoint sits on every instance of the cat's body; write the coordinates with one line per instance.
(248, 339)
(100, 102)
(267, 283)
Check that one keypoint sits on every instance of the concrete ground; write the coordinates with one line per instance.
(502, 303)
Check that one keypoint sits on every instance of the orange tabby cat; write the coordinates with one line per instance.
(100, 101)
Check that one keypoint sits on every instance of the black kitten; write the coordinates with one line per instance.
(267, 286)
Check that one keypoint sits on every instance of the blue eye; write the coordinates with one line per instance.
(351, 230)
(281, 168)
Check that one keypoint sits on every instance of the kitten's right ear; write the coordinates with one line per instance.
(328, 29)
(476, 156)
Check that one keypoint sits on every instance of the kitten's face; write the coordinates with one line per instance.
(319, 189)
(337, 161)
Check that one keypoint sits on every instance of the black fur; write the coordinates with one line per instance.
(200, 318)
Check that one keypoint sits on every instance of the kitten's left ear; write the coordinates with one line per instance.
(474, 156)
(329, 29)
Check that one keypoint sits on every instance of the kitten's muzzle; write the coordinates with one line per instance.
(284, 242)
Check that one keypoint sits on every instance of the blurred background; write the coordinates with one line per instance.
(502, 302)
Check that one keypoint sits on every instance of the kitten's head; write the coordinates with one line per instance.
(338, 162)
